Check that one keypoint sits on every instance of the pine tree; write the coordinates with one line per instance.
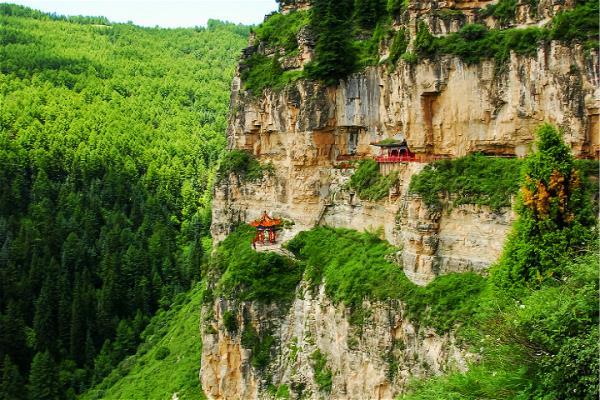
(368, 12)
(43, 378)
(334, 53)
(11, 387)
(45, 319)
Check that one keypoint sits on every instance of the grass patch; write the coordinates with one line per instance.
(353, 266)
(474, 179)
(251, 276)
(166, 362)
(369, 184)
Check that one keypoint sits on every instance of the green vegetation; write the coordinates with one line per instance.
(281, 30)
(579, 24)
(398, 46)
(554, 216)
(536, 326)
(334, 54)
(369, 184)
(474, 179)
(261, 72)
(475, 42)
(323, 375)
(504, 11)
(349, 36)
(247, 275)
(354, 267)
(259, 344)
(244, 165)
(279, 392)
(230, 321)
(167, 359)
(109, 139)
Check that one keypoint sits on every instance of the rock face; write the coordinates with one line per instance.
(311, 134)
(370, 361)
(307, 132)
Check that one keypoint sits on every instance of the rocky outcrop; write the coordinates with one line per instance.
(373, 360)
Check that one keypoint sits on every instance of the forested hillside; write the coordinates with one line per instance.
(109, 139)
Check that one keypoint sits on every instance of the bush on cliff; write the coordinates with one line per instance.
(474, 179)
(281, 30)
(247, 275)
(243, 164)
(369, 184)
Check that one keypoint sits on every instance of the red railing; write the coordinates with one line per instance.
(410, 158)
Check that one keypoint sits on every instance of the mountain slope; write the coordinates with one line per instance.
(109, 139)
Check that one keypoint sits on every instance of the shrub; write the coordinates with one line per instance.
(409, 58)
(504, 11)
(399, 45)
(162, 353)
(323, 375)
(260, 346)
(579, 24)
(425, 43)
(474, 179)
(243, 164)
(369, 184)
(396, 6)
(230, 321)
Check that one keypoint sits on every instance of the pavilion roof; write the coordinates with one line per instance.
(390, 143)
(266, 221)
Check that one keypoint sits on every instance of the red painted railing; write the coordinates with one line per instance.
(410, 158)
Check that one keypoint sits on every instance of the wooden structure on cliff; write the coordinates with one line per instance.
(266, 225)
(394, 150)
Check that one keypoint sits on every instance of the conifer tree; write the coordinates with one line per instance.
(334, 53)
(11, 387)
(555, 216)
(43, 378)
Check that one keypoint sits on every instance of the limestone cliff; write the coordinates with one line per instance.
(307, 132)
(310, 134)
(371, 361)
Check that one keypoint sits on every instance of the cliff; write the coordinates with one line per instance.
(311, 136)
(317, 352)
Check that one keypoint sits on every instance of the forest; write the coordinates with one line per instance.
(110, 136)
